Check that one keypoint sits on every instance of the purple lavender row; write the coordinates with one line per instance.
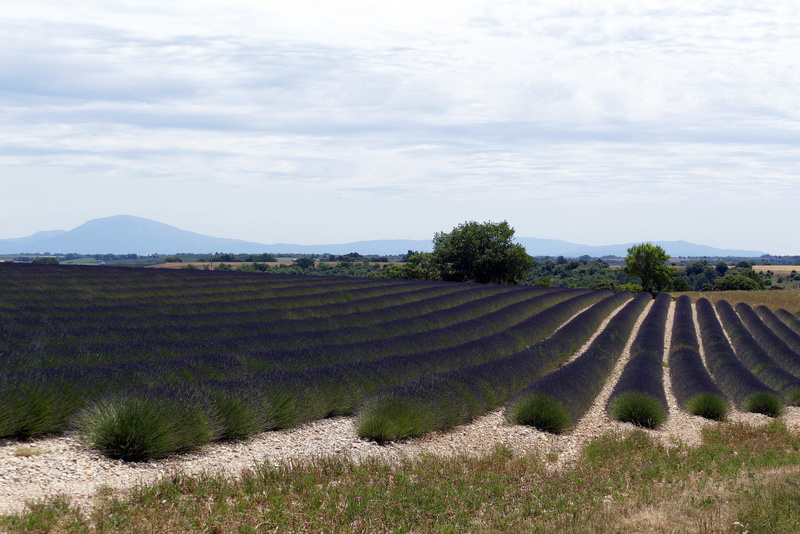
(792, 321)
(769, 340)
(447, 399)
(258, 402)
(781, 329)
(639, 396)
(692, 386)
(755, 358)
(557, 401)
(746, 391)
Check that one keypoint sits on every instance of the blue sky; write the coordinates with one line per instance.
(329, 122)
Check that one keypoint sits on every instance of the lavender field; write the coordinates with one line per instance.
(149, 363)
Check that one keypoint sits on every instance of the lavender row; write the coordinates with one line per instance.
(769, 341)
(639, 397)
(67, 344)
(746, 391)
(447, 399)
(692, 386)
(792, 321)
(781, 329)
(166, 370)
(292, 398)
(755, 358)
(557, 401)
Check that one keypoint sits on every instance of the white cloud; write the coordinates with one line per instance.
(447, 110)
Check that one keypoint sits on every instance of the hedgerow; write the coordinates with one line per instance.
(755, 358)
(639, 397)
(692, 386)
(746, 391)
(447, 399)
(558, 400)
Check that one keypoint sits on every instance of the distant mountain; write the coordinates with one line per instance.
(125, 234)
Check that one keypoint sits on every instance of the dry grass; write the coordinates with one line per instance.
(622, 483)
(777, 269)
(788, 299)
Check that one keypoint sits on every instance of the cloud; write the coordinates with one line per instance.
(479, 105)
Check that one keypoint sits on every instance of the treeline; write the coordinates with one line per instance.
(698, 275)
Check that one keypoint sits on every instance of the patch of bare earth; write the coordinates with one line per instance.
(33, 470)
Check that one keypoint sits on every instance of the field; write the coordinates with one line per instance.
(148, 364)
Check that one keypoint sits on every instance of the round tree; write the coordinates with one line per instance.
(483, 253)
(649, 262)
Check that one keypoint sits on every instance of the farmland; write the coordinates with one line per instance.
(197, 357)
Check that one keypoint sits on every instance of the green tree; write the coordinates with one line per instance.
(648, 262)
(482, 253)
(305, 262)
(46, 260)
(416, 267)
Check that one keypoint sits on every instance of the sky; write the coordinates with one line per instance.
(315, 122)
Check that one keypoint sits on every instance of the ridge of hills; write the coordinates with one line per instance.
(126, 234)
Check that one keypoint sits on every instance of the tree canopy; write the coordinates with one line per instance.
(648, 262)
(480, 252)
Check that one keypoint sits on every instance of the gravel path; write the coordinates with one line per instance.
(62, 465)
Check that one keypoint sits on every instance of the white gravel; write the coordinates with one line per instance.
(31, 471)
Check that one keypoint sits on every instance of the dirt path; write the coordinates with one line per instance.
(62, 465)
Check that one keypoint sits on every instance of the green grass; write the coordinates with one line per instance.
(135, 429)
(763, 402)
(638, 408)
(774, 507)
(389, 418)
(621, 483)
(540, 411)
(708, 405)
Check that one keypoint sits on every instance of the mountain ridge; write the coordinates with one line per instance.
(127, 234)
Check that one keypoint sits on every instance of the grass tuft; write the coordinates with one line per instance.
(763, 402)
(238, 417)
(388, 419)
(638, 408)
(134, 429)
(708, 405)
(541, 411)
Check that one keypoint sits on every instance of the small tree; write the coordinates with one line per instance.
(305, 262)
(482, 253)
(649, 263)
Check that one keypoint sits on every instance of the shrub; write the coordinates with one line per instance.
(639, 408)
(388, 418)
(541, 411)
(763, 402)
(135, 429)
(708, 405)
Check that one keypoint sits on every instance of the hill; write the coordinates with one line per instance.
(126, 234)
